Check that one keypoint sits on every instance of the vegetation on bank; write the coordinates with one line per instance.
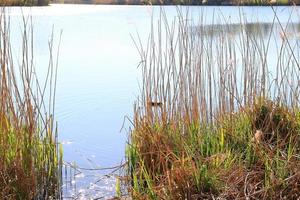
(222, 2)
(219, 114)
(24, 2)
(184, 2)
(30, 159)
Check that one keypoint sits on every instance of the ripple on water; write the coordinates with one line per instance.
(100, 186)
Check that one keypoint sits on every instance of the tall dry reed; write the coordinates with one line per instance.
(30, 160)
(218, 115)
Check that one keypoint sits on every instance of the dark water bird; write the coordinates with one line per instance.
(155, 104)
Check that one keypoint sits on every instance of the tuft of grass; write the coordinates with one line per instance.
(217, 118)
(30, 158)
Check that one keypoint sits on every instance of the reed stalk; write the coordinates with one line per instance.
(30, 157)
(218, 115)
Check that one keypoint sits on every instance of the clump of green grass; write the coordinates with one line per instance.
(30, 160)
(215, 120)
(228, 160)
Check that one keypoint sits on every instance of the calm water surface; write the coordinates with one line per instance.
(98, 75)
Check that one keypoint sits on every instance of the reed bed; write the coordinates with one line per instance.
(218, 116)
(30, 158)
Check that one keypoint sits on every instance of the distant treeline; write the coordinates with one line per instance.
(150, 2)
(183, 2)
(24, 2)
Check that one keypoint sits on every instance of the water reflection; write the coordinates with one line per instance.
(261, 30)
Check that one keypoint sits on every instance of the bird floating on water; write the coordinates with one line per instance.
(155, 104)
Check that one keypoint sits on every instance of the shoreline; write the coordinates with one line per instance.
(41, 3)
(112, 2)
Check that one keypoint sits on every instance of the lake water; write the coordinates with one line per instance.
(98, 75)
